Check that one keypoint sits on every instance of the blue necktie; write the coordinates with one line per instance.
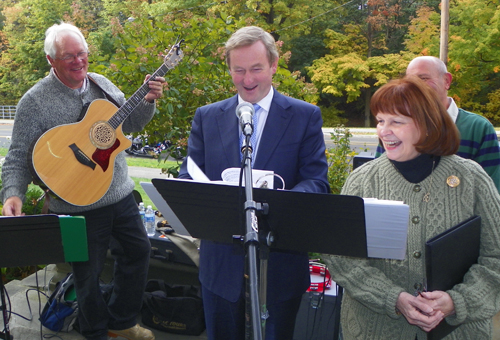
(253, 137)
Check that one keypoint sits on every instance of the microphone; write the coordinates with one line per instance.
(245, 112)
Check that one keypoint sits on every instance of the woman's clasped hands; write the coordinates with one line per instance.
(427, 309)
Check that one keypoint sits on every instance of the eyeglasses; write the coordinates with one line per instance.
(68, 59)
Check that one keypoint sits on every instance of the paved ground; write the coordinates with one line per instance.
(135, 171)
(23, 297)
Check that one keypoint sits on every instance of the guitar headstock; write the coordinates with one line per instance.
(174, 56)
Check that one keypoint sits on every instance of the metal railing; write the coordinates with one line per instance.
(7, 112)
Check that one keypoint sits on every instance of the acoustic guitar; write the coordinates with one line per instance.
(76, 161)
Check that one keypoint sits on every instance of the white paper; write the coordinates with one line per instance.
(231, 176)
(386, 228)
(260, 178)
(195, 172)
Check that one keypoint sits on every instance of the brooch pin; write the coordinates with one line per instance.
(453, 181)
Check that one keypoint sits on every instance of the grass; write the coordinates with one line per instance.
(145, 198)
(147, 163)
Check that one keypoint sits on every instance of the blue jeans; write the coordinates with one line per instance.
(121, 224)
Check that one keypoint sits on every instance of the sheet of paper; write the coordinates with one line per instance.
(386, 228)
(195, 172)
(231, 176)
(260, 178)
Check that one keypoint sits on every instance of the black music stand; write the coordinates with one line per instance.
(31, 240)
(309, 222)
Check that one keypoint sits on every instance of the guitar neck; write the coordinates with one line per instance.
(126, 109)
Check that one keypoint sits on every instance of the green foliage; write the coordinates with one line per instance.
(492, 108)
(474, 52)
(339, 158)
(18, 273)
(286, 19)
(331, 116)
(423, 32)
(336, 40)
(348, 75)
(34, 200)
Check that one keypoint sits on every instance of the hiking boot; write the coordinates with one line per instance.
(133, 333)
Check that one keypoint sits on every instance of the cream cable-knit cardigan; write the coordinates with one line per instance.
(372, 286)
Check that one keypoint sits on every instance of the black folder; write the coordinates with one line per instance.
(448, 257)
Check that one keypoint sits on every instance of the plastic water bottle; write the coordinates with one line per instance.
(142, 212)
(149, 221)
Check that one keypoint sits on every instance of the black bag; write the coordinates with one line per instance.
(61, 310)
(174, 309)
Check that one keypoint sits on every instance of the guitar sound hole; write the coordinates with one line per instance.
(102, 135)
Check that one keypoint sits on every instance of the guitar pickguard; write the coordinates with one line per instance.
(101, 157)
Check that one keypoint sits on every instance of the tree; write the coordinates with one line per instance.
(473, 56)
(424, 32)
(285, 19)
(347, 72)
(358, 61)
(23, 61)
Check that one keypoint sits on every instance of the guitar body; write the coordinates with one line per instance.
(76, 161)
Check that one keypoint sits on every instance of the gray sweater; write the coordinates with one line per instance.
(50, 103)
(372, 286)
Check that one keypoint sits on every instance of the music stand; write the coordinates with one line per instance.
(39, 239)
(299, 221)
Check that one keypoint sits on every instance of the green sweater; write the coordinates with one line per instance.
(479, 142)
(50, 103)
(372, 286)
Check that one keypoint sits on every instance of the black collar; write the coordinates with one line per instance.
(417, 169)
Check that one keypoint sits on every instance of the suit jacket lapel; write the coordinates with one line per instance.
(277, 123)
(227, 124)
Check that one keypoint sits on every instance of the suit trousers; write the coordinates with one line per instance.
(120, 223)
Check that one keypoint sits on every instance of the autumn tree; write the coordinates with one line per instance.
(357, 62)
(23, 60)
(473, 52)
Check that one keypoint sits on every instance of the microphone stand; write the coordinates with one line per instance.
(6, 333)
(251, 242)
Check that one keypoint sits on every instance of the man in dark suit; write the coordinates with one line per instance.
(290, 143)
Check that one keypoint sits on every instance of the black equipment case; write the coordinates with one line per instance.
(166, 251)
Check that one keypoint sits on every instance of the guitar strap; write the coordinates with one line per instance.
(108, 97)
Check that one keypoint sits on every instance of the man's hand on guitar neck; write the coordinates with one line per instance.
(156, 88)
(12, 207)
